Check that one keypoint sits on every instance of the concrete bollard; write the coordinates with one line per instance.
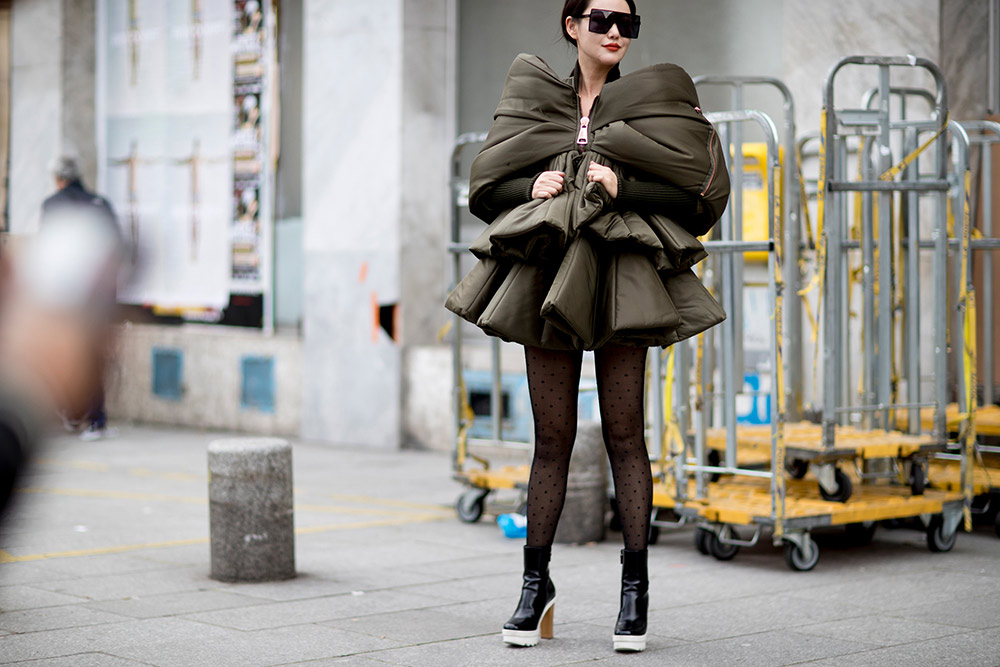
(582, 518)
(251, 513)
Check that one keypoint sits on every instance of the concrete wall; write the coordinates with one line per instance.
(211, 381)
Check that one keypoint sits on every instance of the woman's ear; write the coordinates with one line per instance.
(571, 27)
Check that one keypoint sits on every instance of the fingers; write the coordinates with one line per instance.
(598, 173)
(547, 185)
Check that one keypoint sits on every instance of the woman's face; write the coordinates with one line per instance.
(605, 50)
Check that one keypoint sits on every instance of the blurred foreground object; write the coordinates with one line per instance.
(57, 299)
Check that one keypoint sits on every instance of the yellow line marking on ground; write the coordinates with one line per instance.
(196, 500)
(419, 518)
(104, 551)
(372, 500)
(6, 557)
(117, 495)
(79, 465)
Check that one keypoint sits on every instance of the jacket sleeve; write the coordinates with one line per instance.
(663, 198)
(505, 195)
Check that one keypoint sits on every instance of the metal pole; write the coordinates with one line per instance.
(659, 418)
(989, 280)
(737, 259)
(871, 353)
(883, 374)
(844, 326)
(940, 273)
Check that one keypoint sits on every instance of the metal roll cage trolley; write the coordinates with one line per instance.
(750, 496)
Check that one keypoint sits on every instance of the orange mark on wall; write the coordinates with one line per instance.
(363, 276)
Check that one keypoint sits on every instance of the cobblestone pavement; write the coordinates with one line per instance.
(106, 561)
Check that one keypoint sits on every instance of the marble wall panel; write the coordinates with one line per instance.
(352, 125)
(818, 34)
(36, 107)
(35, 120)
(964, 56)
(428, 135)
(351, 368)
(352, 194)
(79, 84)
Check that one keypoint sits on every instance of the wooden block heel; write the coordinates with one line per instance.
(547, 622)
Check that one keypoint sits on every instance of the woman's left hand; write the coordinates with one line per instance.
(598, 173)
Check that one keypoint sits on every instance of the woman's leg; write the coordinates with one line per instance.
(621, 374)
(553, 378)
(553, 381)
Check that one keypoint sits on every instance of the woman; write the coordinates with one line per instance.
(595, 188)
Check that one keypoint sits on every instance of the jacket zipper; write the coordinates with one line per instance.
(582, 139)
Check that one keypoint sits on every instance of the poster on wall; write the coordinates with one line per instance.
(183, 146)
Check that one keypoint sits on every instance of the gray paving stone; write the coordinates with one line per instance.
(744, 616)
(54, 618)
(119, 587)
(574, 642)
(317, 610)
(428, 625)
(976, 649)
(771, 649)
(173, 604)
(352, 661)
(93, 566)
(970, 612)
(887, 593)
(265, 648)
(18, 598)
(110, 638)
(881, 630)
(83, 660)
(15, 574)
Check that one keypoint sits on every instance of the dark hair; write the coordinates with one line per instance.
(575, 8)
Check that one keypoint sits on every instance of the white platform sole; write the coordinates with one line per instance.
(630, 643)
(532, 637)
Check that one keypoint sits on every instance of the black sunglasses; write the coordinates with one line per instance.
(601, 21)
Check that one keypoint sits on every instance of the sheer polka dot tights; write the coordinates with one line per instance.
(553, 379)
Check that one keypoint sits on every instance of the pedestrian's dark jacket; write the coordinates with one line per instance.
(581, 270)
(74, 196)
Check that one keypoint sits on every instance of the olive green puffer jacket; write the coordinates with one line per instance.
(574, 272)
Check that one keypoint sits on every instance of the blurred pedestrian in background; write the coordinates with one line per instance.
(73, 195)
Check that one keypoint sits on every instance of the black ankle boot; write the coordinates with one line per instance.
(533, 618)
(630, 630)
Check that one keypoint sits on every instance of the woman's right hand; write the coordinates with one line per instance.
(547, 185)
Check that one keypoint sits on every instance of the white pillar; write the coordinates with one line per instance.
(352, 136)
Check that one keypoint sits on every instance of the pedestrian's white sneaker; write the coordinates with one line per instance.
(97, 433)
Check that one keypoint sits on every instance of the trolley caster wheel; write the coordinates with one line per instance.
(861, 534)
(937, 541)
(844, 488)
(654, 534)
(702, 541)
(996, 524)
(918, 479)
(797, 468)
(470, 505)
(720, 550)
(797, 561)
